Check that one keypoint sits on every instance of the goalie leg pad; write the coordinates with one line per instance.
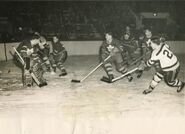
(38, 74)
(27, 79)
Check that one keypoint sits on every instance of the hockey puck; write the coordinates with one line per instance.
(75, 81)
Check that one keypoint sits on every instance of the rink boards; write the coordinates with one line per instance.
(84, 48)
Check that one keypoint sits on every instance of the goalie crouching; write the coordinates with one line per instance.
(167, 68)
(29, 61)
(113, 48)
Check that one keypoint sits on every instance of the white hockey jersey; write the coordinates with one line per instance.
(166, 59)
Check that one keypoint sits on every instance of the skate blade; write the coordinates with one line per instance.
(105, 79)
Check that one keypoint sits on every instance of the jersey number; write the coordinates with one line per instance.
(168, 54)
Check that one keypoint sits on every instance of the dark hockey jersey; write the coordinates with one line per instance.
(23, 47)
(104, 50)
(57, 47)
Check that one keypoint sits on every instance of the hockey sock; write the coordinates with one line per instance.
(156, 79)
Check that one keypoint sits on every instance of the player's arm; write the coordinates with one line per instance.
(23, 51)
(103, 53)
(148, 63)
(166, 45)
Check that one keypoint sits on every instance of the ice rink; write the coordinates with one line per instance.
(91, 107)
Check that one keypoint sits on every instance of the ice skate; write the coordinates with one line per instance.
(140, 73)
(147, 91)
(130, 78)
(63, 73)
(43, 84)
(180, 88)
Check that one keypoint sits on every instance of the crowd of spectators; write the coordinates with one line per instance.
(72, 22)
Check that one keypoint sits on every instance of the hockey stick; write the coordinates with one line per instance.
(23, 63)
(128, 46)
(105, 79)
(79, 81)
(20, 57)
(138, 59)
(5, 51)
(120, 77)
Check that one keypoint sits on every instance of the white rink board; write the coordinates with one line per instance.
(87, 48)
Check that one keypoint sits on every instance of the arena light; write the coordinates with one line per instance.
(154, 14)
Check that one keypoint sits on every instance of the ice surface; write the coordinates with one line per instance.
(90, 107)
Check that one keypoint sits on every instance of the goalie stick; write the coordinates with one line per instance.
(23, 63)
(79, 81)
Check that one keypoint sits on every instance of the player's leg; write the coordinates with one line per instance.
(61, 58)
(53, 62)
(121, 65)
(44, 56)
(155, 81)
(172, 81)
(145, 53)
(107, 66)
(46, 64)
(62, 69)
(138, 54)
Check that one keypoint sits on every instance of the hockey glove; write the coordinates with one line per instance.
(142, 66)
(29, 51)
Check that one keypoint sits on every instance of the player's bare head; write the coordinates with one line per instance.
(148, 33)
(126, 36)
(155, 42)
(108, 36)
(37, 33)
(35, 40)
(141, 36)
(55, 38)
(42, 42)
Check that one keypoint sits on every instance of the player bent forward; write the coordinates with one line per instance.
(113, 47)
(58, 56)
(169, 66)
(31, 68)
(43, 53)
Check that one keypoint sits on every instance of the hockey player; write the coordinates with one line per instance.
(44, 52)
(58, 56)
(31, 64)
(168, 63)
(134, 51)
(113, 47)
(143, 43)
(145, 40)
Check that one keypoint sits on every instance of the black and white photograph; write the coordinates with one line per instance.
(92, 67)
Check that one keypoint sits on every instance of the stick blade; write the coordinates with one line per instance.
(105, 79)
(75, 81)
